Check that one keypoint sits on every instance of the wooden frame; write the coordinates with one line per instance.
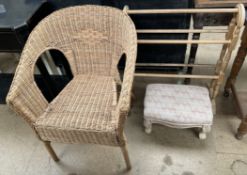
(240, 96)
(229, 44)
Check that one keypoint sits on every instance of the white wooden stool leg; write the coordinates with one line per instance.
(203, 134)
(148, 126)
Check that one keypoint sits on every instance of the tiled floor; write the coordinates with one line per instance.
(166, 151)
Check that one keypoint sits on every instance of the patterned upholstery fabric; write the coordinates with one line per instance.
(178, 104)
(85, 106)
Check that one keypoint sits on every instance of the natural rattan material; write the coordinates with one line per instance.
(83, 112)
(92, 38)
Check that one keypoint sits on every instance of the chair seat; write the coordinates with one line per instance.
(82, 112)
(178, 105)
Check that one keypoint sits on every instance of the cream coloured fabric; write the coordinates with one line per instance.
(178, 104)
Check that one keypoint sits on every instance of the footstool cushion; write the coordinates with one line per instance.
(178, 105)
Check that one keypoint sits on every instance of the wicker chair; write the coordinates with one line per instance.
(88, 109)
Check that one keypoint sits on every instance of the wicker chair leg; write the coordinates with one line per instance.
(51, 151)
(126, 157)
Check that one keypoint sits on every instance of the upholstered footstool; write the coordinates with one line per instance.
(178, 106)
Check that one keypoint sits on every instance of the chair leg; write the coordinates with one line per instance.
(242, 130)
(204, 131)
(148, 126)
(51, 151)
(126, 157)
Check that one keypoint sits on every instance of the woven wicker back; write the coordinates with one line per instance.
(92, 38)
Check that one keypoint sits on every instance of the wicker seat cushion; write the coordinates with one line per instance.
(178, 105)
(82, 112)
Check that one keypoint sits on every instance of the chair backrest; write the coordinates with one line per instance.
(92, 38)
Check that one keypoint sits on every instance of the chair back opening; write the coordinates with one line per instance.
(56, 73)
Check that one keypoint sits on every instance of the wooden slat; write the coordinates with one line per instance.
(175, 65)
(176, 76)
(160, 41)
(182, 31)
(218, 3)
(178, 11)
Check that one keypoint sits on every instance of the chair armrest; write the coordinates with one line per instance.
(24, 97)
(123, 105)
(128, 78)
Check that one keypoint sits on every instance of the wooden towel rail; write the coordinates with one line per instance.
(181, 31)
(179, 11)
(176, 75)
(175, 65)
(165, 41)
(229, 43)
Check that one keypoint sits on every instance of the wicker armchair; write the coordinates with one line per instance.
(87, 110)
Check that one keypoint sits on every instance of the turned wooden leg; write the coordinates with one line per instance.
(126, 157)
(242, 130)
(237, 64)
(148, 126)
(51, 151)
(204, 131)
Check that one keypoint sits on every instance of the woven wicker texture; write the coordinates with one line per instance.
(85, 104)
(92, 38)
